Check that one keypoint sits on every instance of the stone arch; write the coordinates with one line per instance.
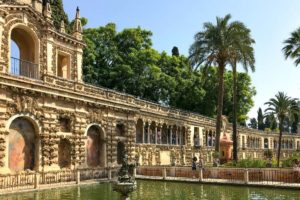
(159, 134)
(164, 136)
(210, 138)
(120, 151)
(23, 143)
(28, 44)
(266, 143)
(146, 132)
(152, 132)
(139, 131)
(183, 136)
(196, 138)
(95, 146)
(64, 153)
(173, 136)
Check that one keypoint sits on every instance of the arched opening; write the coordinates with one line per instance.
(95, 147)
(266, 143)
(196, 137)
(24, 53)
(22, 145)
(120, 128)
(139, 131)
(152, 133)
(243, 142)
(174, 132)
(183, 136)
(275, 144)
(146, 132)
(164, 136)
(120, 151)
(63, 66)
(210, 136)
(158, 135)
(64, 153)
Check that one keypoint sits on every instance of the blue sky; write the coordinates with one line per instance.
(175, 22)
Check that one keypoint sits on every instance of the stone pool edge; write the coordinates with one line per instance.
(219, 182)
(53, 186)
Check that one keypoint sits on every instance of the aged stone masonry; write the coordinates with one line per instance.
(50, 120)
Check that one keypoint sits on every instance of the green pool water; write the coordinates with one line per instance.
(150, 190)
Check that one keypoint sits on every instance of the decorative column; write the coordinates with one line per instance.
(177, 136)
(131, 137)
(49, 56)
(148, 129)
(3, 64)
(171, 134)
(155, 133)
(4, 145)
(143, 133)
(159, 139)
(2, 21)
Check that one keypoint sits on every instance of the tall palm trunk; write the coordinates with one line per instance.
(279, 142)
(234, 115)
(220, 105)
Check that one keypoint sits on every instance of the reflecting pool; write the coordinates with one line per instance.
(150, 190)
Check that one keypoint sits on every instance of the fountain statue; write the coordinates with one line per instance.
(125, 184)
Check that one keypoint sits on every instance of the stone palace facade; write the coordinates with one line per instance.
(51, 120)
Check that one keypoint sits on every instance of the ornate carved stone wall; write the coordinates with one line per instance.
(62, 109)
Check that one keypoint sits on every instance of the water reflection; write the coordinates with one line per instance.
(149, 190)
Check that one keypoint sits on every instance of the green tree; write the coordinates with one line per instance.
(268, 122)
(253, 123)
(274, 123)
(292, 47)
(283, 107)
(295, 124)
(125, 61)
(217, 44)
(58, 14)
(245, 93)
(260, 120)
(244, 55)
(175, 51)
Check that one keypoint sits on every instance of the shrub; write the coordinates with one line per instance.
(247, 163)
(289, 162)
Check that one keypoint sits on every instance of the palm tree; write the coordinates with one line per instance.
(292, 47)
(244, 55)
(283, 107)
(217, 44)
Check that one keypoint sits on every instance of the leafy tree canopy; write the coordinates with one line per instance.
(58, 14)
(126, 61)
(253, 123)
(260, 119)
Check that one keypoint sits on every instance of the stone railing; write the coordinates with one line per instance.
(35, 180)
(26, 180)
(261, 176)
